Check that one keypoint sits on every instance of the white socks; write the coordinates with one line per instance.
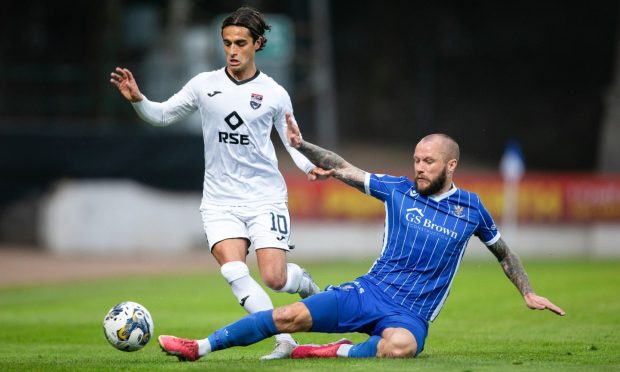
(343, 350)
(204, 347)
(250, 295)
(294, 279)
(286, 338)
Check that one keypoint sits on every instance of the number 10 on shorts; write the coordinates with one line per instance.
(279, 223)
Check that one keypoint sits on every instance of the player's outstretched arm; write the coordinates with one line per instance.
(328, 160)
(512, 266)
(124, 81)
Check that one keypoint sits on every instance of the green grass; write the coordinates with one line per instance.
(483, 327)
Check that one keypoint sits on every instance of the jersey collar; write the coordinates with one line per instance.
(240, 82)
(446, 194)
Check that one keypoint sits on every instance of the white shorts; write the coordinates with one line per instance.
(266, 226)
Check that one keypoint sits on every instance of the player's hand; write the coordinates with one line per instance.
(536, 302)
(292, 131)
(123, 79)
(320, 174)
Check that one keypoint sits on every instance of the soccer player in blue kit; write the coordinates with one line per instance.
(428, 224)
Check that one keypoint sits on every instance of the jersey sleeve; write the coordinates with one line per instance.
(486, 231)
(177, 107)
(280, 123)
(380, 186)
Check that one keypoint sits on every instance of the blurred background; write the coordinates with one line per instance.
(531, 86)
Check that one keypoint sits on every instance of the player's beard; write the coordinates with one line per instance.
(435, 185)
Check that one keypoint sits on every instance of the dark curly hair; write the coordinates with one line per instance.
(251, 19)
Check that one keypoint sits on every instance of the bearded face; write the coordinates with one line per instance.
(430, 186)
(434, 161)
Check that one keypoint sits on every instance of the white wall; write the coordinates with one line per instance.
(119, 217)
(123, 217)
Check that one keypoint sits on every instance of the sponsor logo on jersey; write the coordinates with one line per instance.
(413, 193)
(234, 121)
(213, 93)
(256, 100)
(416, 216)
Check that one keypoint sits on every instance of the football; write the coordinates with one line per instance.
(128, 326)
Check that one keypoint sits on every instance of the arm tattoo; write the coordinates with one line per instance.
(511, 264)
(326, 159)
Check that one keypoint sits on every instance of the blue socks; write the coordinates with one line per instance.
(367, 349)
(259, 326)
(246, 331)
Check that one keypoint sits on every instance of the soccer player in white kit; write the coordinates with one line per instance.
(244, 195)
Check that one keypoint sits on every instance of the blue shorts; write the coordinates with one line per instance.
(359, 306)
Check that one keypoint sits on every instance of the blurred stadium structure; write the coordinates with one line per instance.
(79, 170)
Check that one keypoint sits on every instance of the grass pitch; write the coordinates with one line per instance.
(484, 325)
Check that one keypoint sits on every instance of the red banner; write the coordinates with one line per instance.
(555, 198)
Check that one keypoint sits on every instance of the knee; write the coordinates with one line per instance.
(390, 350)
(292, 318)
(398, 345)
(274, 280)
(400, 352)
(283, 315)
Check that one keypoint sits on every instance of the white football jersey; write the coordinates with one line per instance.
(237, 118)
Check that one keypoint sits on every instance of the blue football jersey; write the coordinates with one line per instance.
(424, 241)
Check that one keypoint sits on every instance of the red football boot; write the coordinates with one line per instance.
(319, 351)
(184, 349)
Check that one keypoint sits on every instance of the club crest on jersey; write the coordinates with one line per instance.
(256, 100)
(458, 211)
